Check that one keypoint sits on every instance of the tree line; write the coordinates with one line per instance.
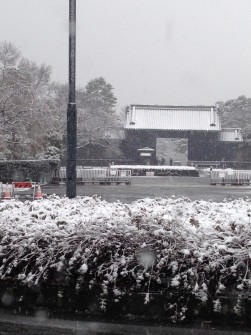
(33, 109)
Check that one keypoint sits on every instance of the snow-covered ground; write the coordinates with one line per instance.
(202, 249)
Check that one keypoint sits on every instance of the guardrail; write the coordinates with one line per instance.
(232, 177)
(101, 176)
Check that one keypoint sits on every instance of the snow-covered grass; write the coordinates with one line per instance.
(199, 249)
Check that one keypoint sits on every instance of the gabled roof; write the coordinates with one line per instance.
(231, 135)
(155, 117)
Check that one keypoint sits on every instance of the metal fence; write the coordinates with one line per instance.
(95, 175)
(232, 177)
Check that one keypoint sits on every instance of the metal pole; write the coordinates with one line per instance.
(71, 110)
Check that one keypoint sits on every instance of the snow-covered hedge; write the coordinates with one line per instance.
(193, 252)
(159, 170)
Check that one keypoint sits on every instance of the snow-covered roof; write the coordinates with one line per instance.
(199, 118)
(231, 135)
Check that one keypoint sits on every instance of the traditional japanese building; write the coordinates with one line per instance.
(179, 134)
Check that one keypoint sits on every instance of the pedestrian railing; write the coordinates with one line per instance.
(232, 177)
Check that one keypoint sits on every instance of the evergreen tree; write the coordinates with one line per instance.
(96, 115)
(236, 113)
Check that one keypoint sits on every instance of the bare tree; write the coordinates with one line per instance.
(25, 100)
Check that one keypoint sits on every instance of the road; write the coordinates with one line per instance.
(194, 188)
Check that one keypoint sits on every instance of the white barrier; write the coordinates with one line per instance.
(233, 177)
(90, 175)
(59, 175)
(96, 175)
(116, 176)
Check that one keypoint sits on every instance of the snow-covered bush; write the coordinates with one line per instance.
(192, 252)
(52, 153)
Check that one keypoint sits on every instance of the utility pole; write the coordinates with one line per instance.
(71, 109)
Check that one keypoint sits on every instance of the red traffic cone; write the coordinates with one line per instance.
(38, 194)
(7, 195)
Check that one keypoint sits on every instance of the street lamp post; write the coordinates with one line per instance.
(71, 109)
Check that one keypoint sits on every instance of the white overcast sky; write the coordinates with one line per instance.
(175, 52)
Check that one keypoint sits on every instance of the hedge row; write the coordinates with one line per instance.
(168, 258)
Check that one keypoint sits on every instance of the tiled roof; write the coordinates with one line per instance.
(172, 117)
(231, 135)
